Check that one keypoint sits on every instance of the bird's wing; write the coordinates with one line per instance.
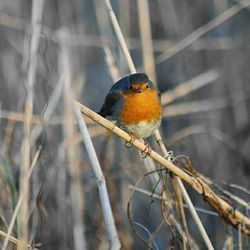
(112, 105)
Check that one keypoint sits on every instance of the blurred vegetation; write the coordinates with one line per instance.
(204, 81)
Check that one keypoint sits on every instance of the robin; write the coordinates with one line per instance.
(134, 103)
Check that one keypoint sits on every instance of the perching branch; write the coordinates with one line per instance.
(223, 208)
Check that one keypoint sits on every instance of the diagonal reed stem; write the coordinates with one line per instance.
(221, 206)
(120, 37)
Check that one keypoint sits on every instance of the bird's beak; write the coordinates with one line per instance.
(139, 90)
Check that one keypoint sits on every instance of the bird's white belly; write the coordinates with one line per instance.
(143, 129)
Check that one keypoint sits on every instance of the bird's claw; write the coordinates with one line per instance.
(170, 156)
(128, 144)
(147, 151)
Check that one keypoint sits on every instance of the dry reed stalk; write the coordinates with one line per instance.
(120, 37)
(208, 43)
(240, 247)
(184, 43)
(146, 39)
(195, 107)
(180, 208)
(237, 199)
(19, 202)
(105, 30)
(203, 129)
(37, 10)
(228, 194)
(52, 104)
(24, 183)
(229, 241)
(204, 105)
(101, 183)
(15, 241)
(125, 22)
(193, 84)
(72, 148)
(17, 117)
(221, 206)
(191, 242)
(237, 186)
(195, 215)
(36, 120)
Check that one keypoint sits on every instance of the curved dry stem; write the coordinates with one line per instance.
(130, 216)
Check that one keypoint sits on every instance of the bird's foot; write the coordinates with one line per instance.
(128, 144)
(169, 156)
(147, 151)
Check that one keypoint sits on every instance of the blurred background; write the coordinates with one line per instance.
(198, 54)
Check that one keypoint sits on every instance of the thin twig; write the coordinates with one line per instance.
(159, 197)
(191, 85)
(120, 37)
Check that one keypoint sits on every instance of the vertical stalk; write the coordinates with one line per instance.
(71, 149)
(146, 39)
(37, 10)
(101, 183)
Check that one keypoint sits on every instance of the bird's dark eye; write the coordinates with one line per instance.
(147, 86)
(130, 87)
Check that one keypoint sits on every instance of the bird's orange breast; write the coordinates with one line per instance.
(137, 107)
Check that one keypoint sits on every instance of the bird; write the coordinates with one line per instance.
(134, 104)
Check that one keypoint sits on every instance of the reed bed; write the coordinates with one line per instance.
(67, 181)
